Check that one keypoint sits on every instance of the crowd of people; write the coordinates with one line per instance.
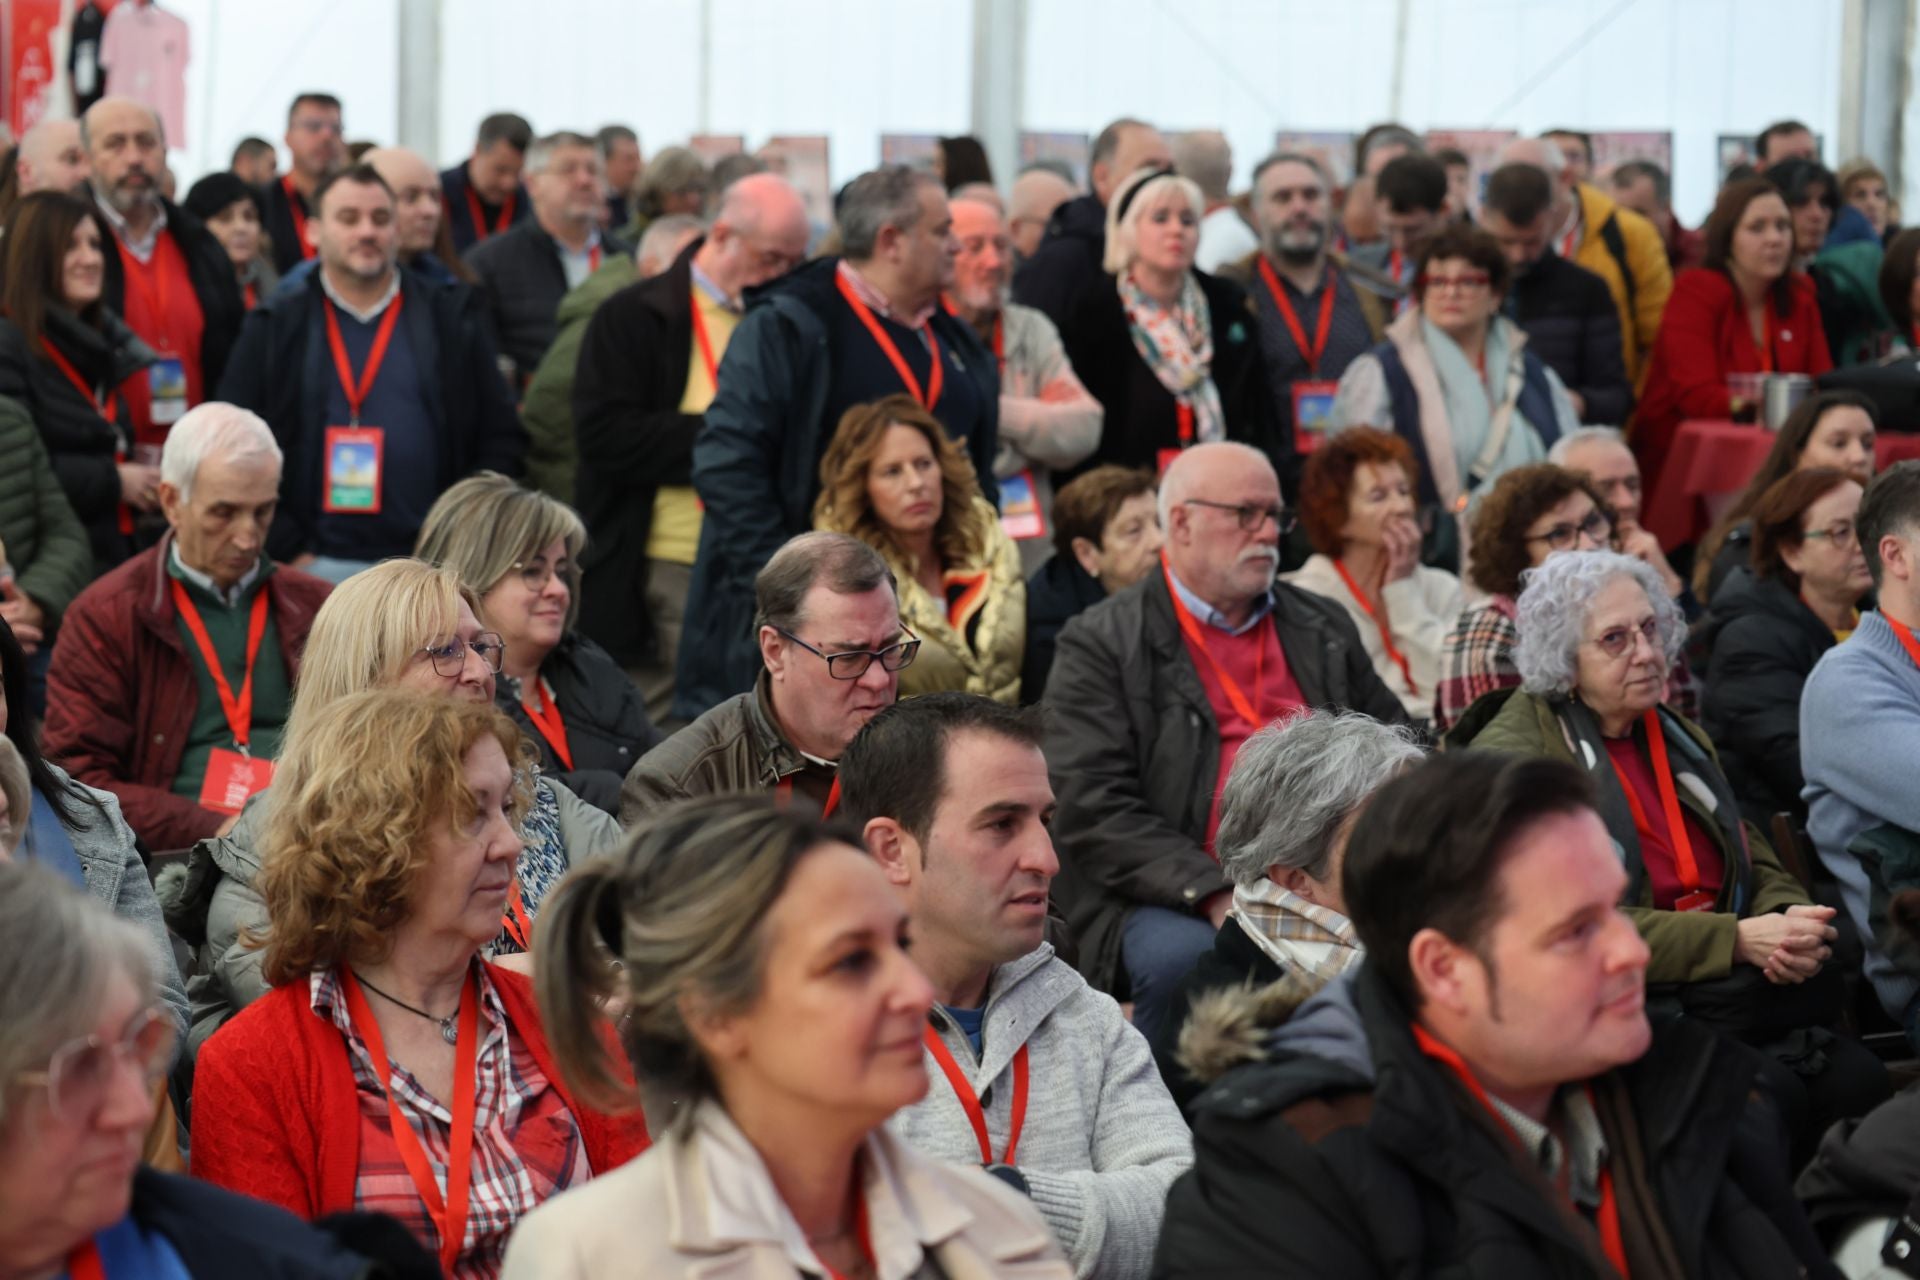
(1029, 731)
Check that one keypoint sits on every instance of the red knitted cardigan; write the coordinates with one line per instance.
(274, 1109)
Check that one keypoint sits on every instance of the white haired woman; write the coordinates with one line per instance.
(1736, 942)
(1171, 353)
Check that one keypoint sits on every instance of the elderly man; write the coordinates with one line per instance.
(173, 674)
(166, 274)
(829, 336)
(317, 142)
(1204, 157)
(1602, 453)
(52, 157)
(1037, 192)
(1034, 1075)
(831, 649)
(1068, 261)
(1152, 693)
(648, 369)
(483, 192)
(620, 164)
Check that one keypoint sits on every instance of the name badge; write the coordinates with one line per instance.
(1312, 413)
(1698, 900)
(1020, 513)
(231, 778)
(353, 464)
(167, 384)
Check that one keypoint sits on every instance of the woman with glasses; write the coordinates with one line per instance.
(1736, 942)
(402, 624)
(892, 478)
(1769, 624)
(1455, 380)
(519, 551)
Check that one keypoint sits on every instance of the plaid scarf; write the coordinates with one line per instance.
(1177, 344)
(1295, 933)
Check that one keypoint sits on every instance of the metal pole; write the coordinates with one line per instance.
(1401, 15)
(999, 81)
(419, 78)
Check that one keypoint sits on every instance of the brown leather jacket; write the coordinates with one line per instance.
(734, 747)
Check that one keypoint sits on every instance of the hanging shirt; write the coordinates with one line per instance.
(145, 50)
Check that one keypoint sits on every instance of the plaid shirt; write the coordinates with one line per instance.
(526, 1146)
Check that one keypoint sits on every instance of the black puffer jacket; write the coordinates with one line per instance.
(1573, 326)
(523, 280)
(606, 720)
(1058, 591)
(222, 305)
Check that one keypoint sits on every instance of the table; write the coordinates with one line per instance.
(1712, 461)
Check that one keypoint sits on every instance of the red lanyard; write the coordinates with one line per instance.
(593, 257)
(1905, 633)
(150, 278)
(448, 1215)
(862, 1232)
(1380, 621)
(108, 408)
(1000, 343)
(934, 381)
(1321, 327)
(1183, 422)
(252, 297)
(239, 711)
(357, 392)
(84, 1262)
(299, 212)
(1394, 264)
(705, 342)
(1191, 627)
(784, 790)
(1567, 242)
(1683, 863)
(480, 228)
(547, 720)
(516, 922)
(970, 1103)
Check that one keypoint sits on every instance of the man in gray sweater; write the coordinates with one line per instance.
(1033, 1074)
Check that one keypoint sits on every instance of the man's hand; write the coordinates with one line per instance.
(1644, 547)
(1215, 908)
(139, 485)
(23, 614)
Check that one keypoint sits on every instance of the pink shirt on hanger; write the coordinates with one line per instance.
(144, 50)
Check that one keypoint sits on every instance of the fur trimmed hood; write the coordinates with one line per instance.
(1286, 1018)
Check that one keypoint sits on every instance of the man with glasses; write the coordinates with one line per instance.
(317, 143)
(831, 649)
(1152, 692)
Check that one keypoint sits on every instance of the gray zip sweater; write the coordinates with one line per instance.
(1102, 1140)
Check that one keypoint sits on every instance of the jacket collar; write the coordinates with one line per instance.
(1303, 639)
(1020, 995)
(770, 745)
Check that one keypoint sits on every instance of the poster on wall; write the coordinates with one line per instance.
(1482, 149)
(802, 159)
(1070, 149)
(1333, 150)
(915, 150)
(32, 40)
(1615, 147)
(711, 147)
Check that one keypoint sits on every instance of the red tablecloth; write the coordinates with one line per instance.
(1710, 458)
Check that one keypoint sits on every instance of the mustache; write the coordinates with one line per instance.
(1269, 554)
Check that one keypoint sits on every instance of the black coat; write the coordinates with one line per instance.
(1573, 326)
(459, 213)
(632, 439)
(222, 305)
(1234, 960)
(276, 219)
(1760, 645)
(1058, 591)
(605, 718)
(1067, 263)
(281, 369)
(523, 280)
(1307, 1167)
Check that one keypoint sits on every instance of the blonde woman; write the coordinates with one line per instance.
(518, 551)
(893, 479)
(402, 624)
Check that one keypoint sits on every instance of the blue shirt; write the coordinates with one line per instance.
(1213, 617)
(127, 1252)
(971, 1022)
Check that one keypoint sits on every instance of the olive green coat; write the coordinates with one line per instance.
(547, 409)
(44, 541)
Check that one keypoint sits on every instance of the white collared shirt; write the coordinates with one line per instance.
(142, 249)
(231, 596)
(367, 316)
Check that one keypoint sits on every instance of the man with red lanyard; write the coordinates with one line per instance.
(166, 274)
(318, 145)
(1032, 1074)
(1414, 201)
(1151, 694)
(483, 192)
(1485, 1093)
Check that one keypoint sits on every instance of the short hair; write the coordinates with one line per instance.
(357, 798)
(1520, 193)
(1053, 165)
(1563, 447)
(325, 101)
(1763, 141)
(1427, 852)
(34, 238)
(1584, 139)
(1778, 515)
(1892, 505)
(1087, 504)
(1857, 171)
(665, 230)
(673, 171)
(503, 126)
(1551, 615)
(540, 154)
(1379, 135)
(839, 562)
(1135, 195)
(486, 524)
(1797, 178)
(885, 197)
(1106, 145)
(980, 193)
(249, 147)
(1729, 207)
(1205, 157)
(896, 766)
(1453, 158)
(1497, 553)
(1471, 244)
(964, 530)
(360, 174)
(1326, 484)
(1896, 278)
(1634, 170)
(1295, 782)
(1413, 181)
(607, 134)
(215, 429)
(728, 170)
(1290, 157)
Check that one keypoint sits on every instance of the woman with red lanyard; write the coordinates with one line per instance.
(772, 1009)
(231, 210)
(1735, 941)
(1358, 506)
(63, 355)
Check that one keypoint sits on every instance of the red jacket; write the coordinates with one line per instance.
(121, 691)
(275, 1114)
(1704, 336)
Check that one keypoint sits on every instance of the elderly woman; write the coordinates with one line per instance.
(390, 1061)
(402, 624)
(519, 551)
(1736, 943)
(1289, 805)
(893, 479)
(771, 1005)
(1357, 504)
(231, 210)
(1769, 625)
(1171, 353)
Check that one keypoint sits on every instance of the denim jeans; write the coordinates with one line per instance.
(1158, 948)
(337, 571)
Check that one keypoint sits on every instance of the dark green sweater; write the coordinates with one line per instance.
(272, 691)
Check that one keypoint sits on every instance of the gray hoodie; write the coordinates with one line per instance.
(1102, 1139)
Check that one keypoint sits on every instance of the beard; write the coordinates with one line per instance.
(1297, 242)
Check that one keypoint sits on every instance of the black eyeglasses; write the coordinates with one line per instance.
(450, 659)
(1597, 526)
(1250, 515)
(853, 664)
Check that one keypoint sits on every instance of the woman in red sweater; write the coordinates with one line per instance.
(388, 862)
(1745, 311)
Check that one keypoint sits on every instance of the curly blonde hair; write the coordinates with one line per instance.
(844, 507)
(358, 799)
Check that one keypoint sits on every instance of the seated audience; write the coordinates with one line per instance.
(772, 1010)
(1734, 938)
(1838, 248)
(1285, 818)
(951, 793)
(1106, 537)
(1487, 1095)
(518, 551)
(173, 675)
(387, 1038)
(231, 211)
(1153, 691)
(1357, 503)
(46, 558)
(831, 650)
(1769, 625)
(891, 478)
(1603, 456)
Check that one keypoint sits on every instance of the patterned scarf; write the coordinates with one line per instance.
(1294, 933)
(1177, 344)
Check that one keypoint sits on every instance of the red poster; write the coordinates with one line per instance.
(31, 28)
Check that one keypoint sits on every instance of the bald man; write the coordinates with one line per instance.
(1036, 194)
(643, 384)
(1152, 692)
(51, 158)
(1067, 263)
(418, 213)
(166, 274)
